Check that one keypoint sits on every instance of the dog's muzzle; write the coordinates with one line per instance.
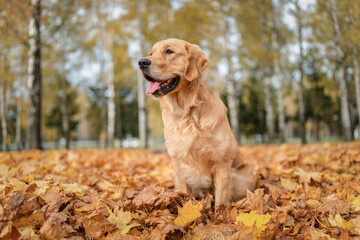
(144, 63)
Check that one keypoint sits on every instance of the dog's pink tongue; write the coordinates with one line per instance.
(153, 87)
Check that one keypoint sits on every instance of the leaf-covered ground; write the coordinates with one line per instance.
(304, 192)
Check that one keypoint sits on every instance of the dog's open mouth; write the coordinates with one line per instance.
(161, 87)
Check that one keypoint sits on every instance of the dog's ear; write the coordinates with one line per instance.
(196, 62)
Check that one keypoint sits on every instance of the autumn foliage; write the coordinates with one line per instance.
(304, 192)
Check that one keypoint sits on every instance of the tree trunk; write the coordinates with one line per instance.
(345, 116)
(276, 58)
(141, 91)
(357, 84)
(18, 123)
(33, 139)
(64, 113)
(111, 91)
(103, 114)
(267, 84)
(302, 75)
(230, 83)
(356, 71)
(3, 115)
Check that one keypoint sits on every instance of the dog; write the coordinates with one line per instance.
(198, 137)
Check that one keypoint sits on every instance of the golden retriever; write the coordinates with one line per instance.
(198, 136)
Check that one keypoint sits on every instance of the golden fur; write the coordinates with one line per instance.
(198, 136)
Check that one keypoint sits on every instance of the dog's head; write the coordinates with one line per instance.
(172, 64)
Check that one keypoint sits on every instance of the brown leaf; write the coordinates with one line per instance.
(255, 201)
(334, 205)
(217, 232)
(28, 207)
(12, 206)
(95, 226)
(147, 196)
(160, 217)
(169, 231)
(34, 220)
(275, 191)
(55, 227)
(9, 232)
(167, 196)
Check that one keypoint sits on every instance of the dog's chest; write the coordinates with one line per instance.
(181, 136)
(198, 178)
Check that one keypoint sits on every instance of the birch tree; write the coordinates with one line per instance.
(277, 74)
(108, 44)
(354, 45)
(3, 114)
(64, 110)
(19, 109)
(266, 73)
(33, 138)
(227, 11)
(357, 81)
(299, 19)
(111, 90)
(340, 71)
(5, 89)
(140, 80)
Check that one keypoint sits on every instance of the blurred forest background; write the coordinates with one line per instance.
(287, 70)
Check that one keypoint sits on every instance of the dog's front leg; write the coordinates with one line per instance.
(222, 182)
(180, 184)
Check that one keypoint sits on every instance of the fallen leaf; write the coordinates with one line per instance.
(355, 203)
(13, 204)
(6, 171)
(95, 226)
(169, 231)
(188, 213)
(333, 205)
(338, 221)
(356, 224)
(317, 234)
(17, 185)
(288, 184)
(313, 203)
(305, 177)
(105, 185)
(74, 187)
(147, 196)
(249, 219)
(255, 201)
(56, 226)
(122, 220)
(29, 233)
(9, 232)
(214, 231)
(42, 186)
(34, 220)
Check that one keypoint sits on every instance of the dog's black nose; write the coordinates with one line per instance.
(144, 63)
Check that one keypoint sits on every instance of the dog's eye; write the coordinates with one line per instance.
(168, 51)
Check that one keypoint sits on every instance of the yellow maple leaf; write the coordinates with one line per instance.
(122, 219)
(338, 221)
(105, 185)
(313, 203)
(249, 219)
(6, 171)
(355, 203)
(188, 213)
(42, 187)
(17, 185)
(288, 184)
(74, 187)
